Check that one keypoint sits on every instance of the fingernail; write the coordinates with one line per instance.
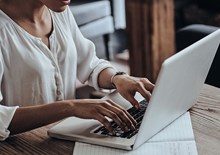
(133, 127)
(113, 132)
(126, 129)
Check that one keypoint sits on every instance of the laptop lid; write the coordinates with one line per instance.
(178, 86)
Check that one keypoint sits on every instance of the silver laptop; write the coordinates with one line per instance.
(177, 88)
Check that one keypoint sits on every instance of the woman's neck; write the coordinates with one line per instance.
(32, 15)
(29, 10)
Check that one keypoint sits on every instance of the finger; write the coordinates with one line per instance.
(147, 84)
(115, 117)
(124, 110)
(126, 121)
(118, 116)
(105, 122)
(133, 101)
(146, 94)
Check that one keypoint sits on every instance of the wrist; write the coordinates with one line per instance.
(67, 107)
(114, 77)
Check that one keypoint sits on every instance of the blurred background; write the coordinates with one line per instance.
(137, 35)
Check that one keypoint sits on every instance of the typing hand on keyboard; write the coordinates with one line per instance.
(137, 114)
(128, 86)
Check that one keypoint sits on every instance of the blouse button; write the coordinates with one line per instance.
(59, 98)
(59, 92)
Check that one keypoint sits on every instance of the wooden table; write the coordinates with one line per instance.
(205, 117)
(205, 120)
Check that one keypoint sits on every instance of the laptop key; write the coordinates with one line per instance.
(99, 129)
(105, 132)
(132, 134)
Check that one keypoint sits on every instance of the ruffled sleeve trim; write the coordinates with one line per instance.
(6, 115)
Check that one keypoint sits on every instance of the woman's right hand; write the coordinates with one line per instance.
(99, 108)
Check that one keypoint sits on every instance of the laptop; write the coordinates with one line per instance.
(176, 90)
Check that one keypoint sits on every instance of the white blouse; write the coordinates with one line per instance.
(32, 74)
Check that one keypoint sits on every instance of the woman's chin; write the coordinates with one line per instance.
(66, 2)
(61, 9)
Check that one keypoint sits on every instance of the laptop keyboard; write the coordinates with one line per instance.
(137, 114)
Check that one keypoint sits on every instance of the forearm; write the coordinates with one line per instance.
(27, 118)
(32, 117)
(104, 78)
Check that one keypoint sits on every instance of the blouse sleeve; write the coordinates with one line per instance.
(88, 64)
(6, 113)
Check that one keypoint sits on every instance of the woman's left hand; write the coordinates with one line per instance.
(127, 86)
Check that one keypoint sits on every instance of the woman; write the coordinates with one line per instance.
(42, 52)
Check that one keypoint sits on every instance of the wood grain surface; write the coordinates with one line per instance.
(205, 117)
(150, 28)
(35, 142)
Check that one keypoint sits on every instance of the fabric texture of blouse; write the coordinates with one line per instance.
(32, 74)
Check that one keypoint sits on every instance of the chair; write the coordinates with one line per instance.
(192, 33)
(99, 18)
